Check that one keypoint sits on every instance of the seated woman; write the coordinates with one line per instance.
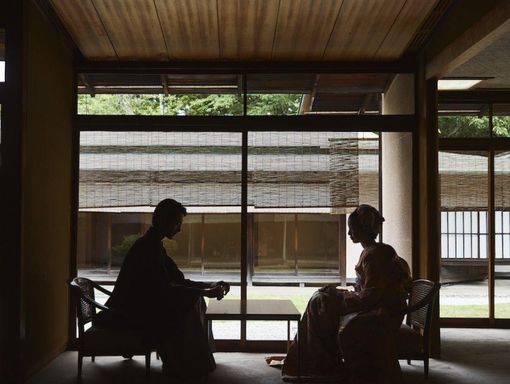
(383, 279)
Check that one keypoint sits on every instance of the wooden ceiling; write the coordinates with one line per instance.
(243, 29)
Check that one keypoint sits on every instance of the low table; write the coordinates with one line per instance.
(283, 310)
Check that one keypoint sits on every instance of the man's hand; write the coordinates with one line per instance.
(214, 292)
(225, 286)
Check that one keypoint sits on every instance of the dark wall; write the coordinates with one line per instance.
(46, 190)
(10, 194)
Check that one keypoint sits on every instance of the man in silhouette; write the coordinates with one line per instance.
(151, 294)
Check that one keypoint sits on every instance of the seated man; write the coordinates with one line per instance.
(151, 294)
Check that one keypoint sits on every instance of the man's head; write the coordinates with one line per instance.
(167, 217)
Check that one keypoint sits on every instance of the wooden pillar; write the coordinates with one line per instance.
(428, 245)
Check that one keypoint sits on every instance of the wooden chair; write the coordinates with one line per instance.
(413, 336)
(97, 341)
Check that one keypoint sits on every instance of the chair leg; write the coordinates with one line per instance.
(80, 364)
(148, 364)
(408, 361)
(426, 367)
(93, 358)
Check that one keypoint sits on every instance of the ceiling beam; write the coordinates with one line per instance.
(476, 37)
(301, 123)
(408, 65)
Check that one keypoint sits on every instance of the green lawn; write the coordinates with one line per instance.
(502, 311)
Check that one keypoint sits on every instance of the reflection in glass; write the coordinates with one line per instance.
(502, 219)
(464, 253)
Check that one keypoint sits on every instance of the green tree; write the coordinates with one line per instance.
(190, 105)
(463, 126)
(501, 126)
(473, 126)
(274, 104)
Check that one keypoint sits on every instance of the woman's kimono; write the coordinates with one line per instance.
(345, 333)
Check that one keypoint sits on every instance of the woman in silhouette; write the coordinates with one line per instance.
(351, 332)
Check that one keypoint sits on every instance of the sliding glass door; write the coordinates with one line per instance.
(268, 165)
(474, 170)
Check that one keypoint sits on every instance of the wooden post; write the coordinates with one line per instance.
(433, 215)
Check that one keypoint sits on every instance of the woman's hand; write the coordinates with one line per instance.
(327, 288)
(331, 289)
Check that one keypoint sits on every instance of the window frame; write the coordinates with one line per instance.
(245, 124)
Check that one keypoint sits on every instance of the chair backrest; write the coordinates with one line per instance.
(421, 303)
(83, 289)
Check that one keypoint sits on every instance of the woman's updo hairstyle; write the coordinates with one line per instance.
(368, 218)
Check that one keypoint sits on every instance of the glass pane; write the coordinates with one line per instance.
(301, 187)
(498, 221)
(474, 221)
(502, 262)
(501, 120)
(160, 95)
(476, 247)
(506, 222)
(123, 175)
(444, 246)
(451, 222)
(274, 245)
(300, 94)
(499, 246)
(463, 120)
(464, 264)
(467, 247)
